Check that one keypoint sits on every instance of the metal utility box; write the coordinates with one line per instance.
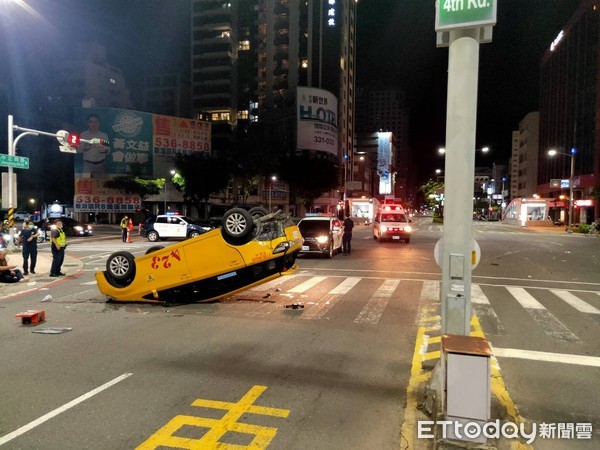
(466, 364)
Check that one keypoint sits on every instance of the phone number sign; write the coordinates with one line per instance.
(106, 203)
(456, 14)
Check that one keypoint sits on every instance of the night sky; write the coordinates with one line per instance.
(395, 41)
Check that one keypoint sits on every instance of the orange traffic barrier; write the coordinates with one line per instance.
(32, 316)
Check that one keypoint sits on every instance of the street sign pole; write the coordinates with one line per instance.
(461, 118)
(12, 183)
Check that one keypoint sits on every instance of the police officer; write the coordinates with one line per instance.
(124, 225)
(59, 243)
(29, 236)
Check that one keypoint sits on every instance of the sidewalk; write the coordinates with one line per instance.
(71, 266)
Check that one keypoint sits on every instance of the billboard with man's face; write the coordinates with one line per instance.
(138, 142)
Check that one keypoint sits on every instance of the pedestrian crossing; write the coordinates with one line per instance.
(369, 298)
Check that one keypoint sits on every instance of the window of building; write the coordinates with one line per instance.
(243, 114)
(244, 45)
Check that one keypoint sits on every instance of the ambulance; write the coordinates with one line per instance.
(390, 221)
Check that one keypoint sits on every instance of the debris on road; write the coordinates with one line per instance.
(47, 298)
(52, 330)
(294, 306)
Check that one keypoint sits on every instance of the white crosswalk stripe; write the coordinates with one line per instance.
(329, 301)
(311, 291)
(544, 318)
(575, 302)
(374, 308)
(308, 284)
(484, 309)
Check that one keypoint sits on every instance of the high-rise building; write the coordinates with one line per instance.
(88, 79)
(223, 58)
(307, 43)
(384, 109)
(167, 94)
(570, 110)
(524, 160)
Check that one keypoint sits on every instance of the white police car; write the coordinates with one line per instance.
(171, 227)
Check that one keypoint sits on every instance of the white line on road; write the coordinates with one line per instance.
(545, 319)
(272, 284)
(89, 283)
(31, 425)
(484, 309)
(328, 301)
(592, 361)
(373, 310)
(303, 287)
(576, 302)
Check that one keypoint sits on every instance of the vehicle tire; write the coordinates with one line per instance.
(258, 211)
(121, 266)
(407, 240)
(152, 236)
(330, 251)
(374, 237)
(237, 225)
(193, 234)
(154, 248)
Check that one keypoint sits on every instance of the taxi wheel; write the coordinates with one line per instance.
(121, 266)
(237, 225)
(258, 211)
(152, 236)
(154, 248)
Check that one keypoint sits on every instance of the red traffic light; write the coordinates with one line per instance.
(73, 140)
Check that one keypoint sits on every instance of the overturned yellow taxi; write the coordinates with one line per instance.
(250, 248)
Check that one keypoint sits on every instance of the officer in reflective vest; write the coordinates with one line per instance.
(59, 243)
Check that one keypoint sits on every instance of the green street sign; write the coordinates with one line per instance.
(18, 162)
(455, 14)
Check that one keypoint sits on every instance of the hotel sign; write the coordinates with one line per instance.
(456, 14)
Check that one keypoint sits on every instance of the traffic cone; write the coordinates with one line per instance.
(129, 230)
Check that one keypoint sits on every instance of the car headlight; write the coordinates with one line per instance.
(383, 228)
(408, 228)
(89, 227)
(79, 228)
(322, 239)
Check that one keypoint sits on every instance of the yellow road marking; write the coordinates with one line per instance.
(217, 428)
(418, 376)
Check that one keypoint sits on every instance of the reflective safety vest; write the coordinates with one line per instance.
(62, 238)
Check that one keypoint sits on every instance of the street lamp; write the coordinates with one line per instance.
(173, 173)
(273, 179)
(553, 152)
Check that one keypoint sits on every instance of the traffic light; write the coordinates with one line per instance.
(73, 139)
(64, 139)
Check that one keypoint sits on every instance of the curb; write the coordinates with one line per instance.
(40, 280)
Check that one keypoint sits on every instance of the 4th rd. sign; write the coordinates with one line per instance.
(455, 14)
(18, 162)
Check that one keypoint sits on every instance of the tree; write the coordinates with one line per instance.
(134, 183)
(432, 190)
(309, 176)
(198, 176)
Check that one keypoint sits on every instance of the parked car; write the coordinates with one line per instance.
(21, 216)
(250, 248)
(172, 226)
(71, 227)
(322, 234)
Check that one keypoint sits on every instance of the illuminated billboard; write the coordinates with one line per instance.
(317, 120)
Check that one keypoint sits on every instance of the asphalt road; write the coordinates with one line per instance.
(332, 375)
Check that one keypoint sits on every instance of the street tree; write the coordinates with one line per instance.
(199, 176)
(135, 183)
(309, 175)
